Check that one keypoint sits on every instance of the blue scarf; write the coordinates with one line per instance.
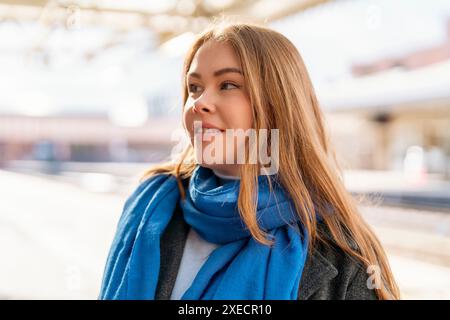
(239, 268)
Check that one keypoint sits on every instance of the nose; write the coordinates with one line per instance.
(203, 104)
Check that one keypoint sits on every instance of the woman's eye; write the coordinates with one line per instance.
(228, 86)
(193, 88)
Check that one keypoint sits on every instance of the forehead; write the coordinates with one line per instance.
(213, 56)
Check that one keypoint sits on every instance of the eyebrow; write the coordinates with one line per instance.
(218, 72)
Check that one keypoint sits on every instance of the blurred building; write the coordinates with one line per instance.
(84, 138)
(400, 108)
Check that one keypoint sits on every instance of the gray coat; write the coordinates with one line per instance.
(328, 272)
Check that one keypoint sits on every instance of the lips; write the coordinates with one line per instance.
(207, 133)
(206, 125)
(208, 128)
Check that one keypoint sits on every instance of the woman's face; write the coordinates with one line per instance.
(217, 97)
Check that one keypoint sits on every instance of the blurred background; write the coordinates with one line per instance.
(90, 96)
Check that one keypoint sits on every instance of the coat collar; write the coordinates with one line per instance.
(317, 272)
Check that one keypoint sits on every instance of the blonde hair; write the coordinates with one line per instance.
(282, 96)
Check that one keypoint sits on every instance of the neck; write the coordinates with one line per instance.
(224, 176)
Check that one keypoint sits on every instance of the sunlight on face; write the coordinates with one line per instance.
(218, 97)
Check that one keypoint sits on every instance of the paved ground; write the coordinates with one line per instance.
(418, 246)
(54, 238)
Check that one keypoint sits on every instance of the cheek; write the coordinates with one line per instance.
(188, 118)
(241, 115)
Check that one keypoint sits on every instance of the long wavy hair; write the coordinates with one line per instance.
(282, 96)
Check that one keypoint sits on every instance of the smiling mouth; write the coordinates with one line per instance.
(207, 134)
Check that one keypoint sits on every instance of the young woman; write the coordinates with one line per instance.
(197, 229)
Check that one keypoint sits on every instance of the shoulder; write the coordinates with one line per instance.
(330, 273)
(150, 184)
(156, 186)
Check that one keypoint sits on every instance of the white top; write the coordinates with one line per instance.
(196, 252)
